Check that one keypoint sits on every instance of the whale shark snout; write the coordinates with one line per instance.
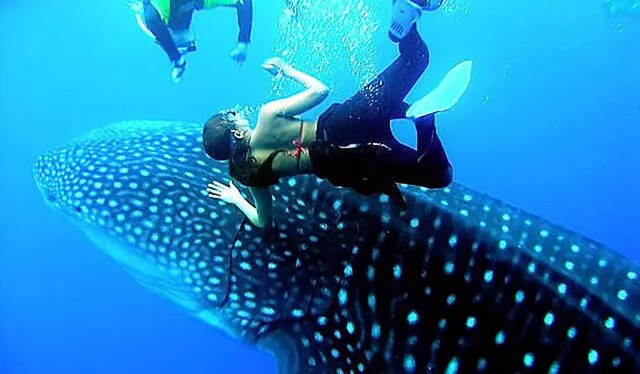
(141, 198)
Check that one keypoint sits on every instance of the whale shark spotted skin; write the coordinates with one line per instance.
(457, 283)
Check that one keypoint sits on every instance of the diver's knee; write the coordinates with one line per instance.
(421, 55)
(448, 176)
(422, 51)
(414, 47)
(445, 178)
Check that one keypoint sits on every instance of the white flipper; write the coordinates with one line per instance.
(446, 94)
(442, 98)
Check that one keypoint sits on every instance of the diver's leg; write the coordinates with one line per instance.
(434, 168)
(179, 23)
(181, 17)
(184, 39)
(159, 29)
(365, 116)
(425, 132)
(384, 95)
(428, 167)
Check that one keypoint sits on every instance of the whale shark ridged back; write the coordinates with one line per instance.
(458, 283)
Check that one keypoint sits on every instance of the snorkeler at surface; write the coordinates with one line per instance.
(169, 23)
(350, 144)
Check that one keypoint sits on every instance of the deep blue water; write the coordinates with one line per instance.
(550, 124)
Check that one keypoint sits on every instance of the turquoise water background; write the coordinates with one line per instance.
(549, 123)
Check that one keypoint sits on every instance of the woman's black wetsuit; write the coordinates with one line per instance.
(355, 146)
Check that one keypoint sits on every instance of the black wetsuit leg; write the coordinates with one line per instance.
(181, 13)
(159, 29)
(366, 116)
(428, 167)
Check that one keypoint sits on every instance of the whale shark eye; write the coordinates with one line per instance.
(78, 209)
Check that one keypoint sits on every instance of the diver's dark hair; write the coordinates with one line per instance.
(217, 138)
(242, 163)
(220, 144)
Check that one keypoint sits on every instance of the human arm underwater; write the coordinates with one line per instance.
(260, 216)
(314, 94)
(245, 20)
(244, 9)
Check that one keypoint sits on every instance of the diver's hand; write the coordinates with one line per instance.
(239, 54)
(228, 194)
(276, 66)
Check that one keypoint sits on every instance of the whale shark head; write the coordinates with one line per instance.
(138, 191)
(457, 283)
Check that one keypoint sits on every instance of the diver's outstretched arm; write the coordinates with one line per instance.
(263, 215)
(314, 94)
(260, 216)
(245, 20)
(244, 9)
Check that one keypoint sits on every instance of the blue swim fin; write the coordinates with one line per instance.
(442, 98)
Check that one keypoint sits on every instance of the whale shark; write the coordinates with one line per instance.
(458, 282)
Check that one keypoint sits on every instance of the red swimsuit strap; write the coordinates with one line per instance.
(298, 142)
